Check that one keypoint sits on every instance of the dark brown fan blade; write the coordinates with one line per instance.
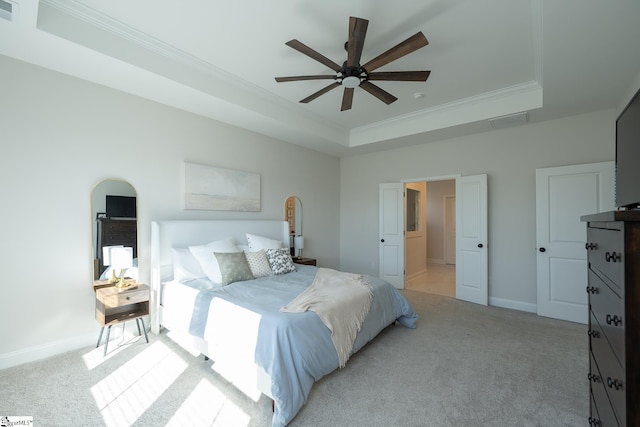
(347, 99)
(298, 78)
(302, 48)
(401, 76)
(357, 33)
(411, 44)
(320, 92)
(379, 93)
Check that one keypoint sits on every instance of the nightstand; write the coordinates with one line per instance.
(305, 261)
(117, 305)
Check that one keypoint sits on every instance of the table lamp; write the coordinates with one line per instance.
(119, 258)
(298, 244)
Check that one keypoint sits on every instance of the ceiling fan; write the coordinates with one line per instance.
(351, 74)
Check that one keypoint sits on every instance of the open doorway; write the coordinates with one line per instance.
(430, 251)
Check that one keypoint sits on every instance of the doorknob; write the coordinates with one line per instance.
(382, 240)
(480, 245)
(542, 250)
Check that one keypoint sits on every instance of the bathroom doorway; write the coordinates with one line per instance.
(430, 236)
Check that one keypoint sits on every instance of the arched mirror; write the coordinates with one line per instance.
(113, 210)
(293, 215)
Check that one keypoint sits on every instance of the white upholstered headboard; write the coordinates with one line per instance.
(166, 235)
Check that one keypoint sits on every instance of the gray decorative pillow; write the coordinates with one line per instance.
(280, 260)
(233, 266)
(259, 263)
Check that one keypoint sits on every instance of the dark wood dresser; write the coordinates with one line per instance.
(613, 253)
(113, 232)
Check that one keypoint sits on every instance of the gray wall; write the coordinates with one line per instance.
(509, 157)
(60, 136)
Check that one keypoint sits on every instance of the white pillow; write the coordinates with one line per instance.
(185, 265)
(257, 243)
(207, 260)
(244, 248)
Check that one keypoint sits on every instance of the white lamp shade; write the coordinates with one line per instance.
(106, 254)
(298, 242)
(119, 257)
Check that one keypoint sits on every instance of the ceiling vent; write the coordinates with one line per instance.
(508, 121)
(6, 10)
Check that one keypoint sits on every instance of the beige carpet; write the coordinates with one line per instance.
(465, 365)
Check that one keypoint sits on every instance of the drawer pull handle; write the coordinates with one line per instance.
(614, 383)
(593, 377)
(592, 290)
(615, 320)
(593, 334)
(594, 422)
(612, 257)
(590, 246)
(128, 298)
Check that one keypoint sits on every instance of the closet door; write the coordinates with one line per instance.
(563, 195)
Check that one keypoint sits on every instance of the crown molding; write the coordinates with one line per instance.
(271, 105)
(513, 99)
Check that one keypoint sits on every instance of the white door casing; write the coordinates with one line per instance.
(450, 229)
(391, 233)
(563, 195)
(471, 239)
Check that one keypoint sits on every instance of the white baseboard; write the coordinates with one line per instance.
(19, 357)
(514, 305)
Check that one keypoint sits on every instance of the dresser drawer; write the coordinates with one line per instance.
(605, 254)
(608, 309)
(594, 417)
(613, 381)
(604, 412)
(111, 297)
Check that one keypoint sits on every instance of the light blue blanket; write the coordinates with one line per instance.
(296, 349)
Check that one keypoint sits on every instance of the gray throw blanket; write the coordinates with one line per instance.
(342, 301)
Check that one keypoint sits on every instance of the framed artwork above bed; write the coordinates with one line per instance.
(218, 189)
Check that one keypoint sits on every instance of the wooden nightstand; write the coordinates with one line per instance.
(305, 261)
(116, 305)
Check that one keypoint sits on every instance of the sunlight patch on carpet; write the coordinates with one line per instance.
(117, 344)
(208, 406)
(129, 391)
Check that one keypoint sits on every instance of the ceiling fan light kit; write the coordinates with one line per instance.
(352, 75)
(351, 81)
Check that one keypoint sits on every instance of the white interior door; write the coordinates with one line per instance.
(391, 234)
(563, 194)
(471, 239)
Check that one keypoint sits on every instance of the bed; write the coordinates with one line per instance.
(241, 325)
